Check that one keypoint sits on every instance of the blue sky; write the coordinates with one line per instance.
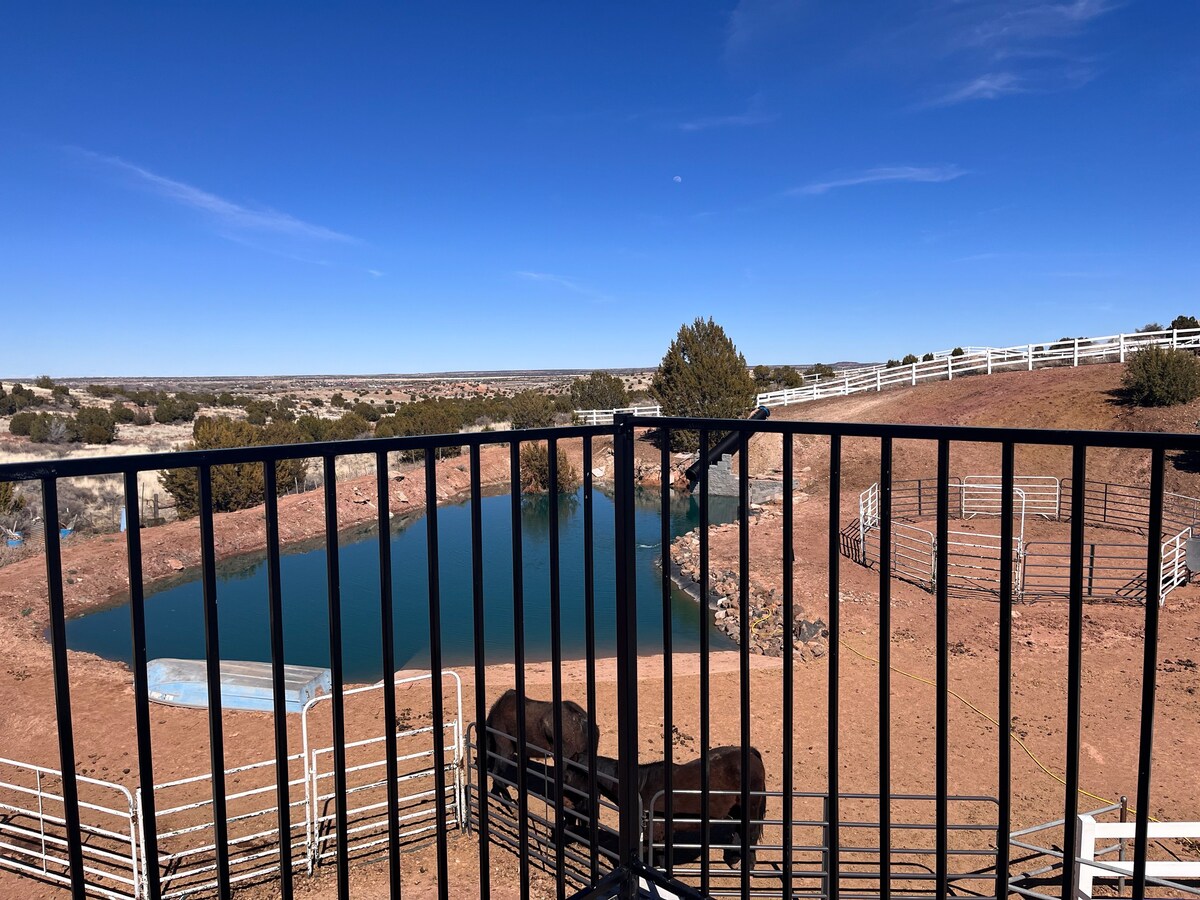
(208, 188)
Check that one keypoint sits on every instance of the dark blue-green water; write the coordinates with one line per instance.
(175, 618)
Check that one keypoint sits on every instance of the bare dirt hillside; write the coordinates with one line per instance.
(1088, 397)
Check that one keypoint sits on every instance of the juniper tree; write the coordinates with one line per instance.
(237, 486)
(702, 375)
(600, 390)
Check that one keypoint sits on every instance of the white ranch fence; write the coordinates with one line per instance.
(1112, 569)
(186, 845)
(32, 826)
(983, 361)
(1158, 872)
(33, 838)
(605, 416)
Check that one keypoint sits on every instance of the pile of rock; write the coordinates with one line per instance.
(766, 611)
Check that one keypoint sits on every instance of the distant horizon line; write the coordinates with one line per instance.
(458, 373)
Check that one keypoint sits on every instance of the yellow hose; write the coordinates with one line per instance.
(972, 706)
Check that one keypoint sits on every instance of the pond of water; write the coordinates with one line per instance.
(175, 617)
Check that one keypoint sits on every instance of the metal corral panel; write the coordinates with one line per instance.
(244, 685)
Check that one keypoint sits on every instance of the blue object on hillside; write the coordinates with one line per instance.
(244, 685)
(15, 542)
(65, 533)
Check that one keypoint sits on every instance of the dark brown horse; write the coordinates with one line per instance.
(724, 774)
(580, 736)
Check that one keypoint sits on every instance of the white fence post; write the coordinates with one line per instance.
(1075, 359)
(878, 381)
(989, 360)
(950, 367)
(1121, 340)
(1030, 354)
(914, 374)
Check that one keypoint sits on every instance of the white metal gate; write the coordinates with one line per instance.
(366, 778)
(33, 829)
(187, 857)
(982, 495)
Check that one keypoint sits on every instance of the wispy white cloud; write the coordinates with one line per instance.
(753, 21)
(374, 273)
(1032, 39)
(567, 283)
(225, 212)
(946, 52)
(735, 121)
(995, 85)
(985, 87)
(918, 174)
(1006, 23)
(754, 115)
(281, 252)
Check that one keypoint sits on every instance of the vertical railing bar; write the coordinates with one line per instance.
(141, 689)
(383, 511)
(552, 495)
(789, 640)
(1074, 667)
(942, 715)
(1149, 674)
(1004, 732)
(668, 654)
(589, 624)
(480, 636)
(885, 668)
(744, 638)
(278, 684)
(629, 837)
(835, 617)
(518, 575)
(212, 659)
(338, 701)
(62, 687)
(435, 669)
(704, 673)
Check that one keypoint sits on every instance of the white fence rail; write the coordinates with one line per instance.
(1039, 568)
(366, 791)
(33, 837)
(33, 828)
(1174, 561)
(605, 416)
(186, 849)
(1157, 871)
(984, 360)
(1039, 495)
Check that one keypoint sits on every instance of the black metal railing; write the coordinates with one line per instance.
(499, 827)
